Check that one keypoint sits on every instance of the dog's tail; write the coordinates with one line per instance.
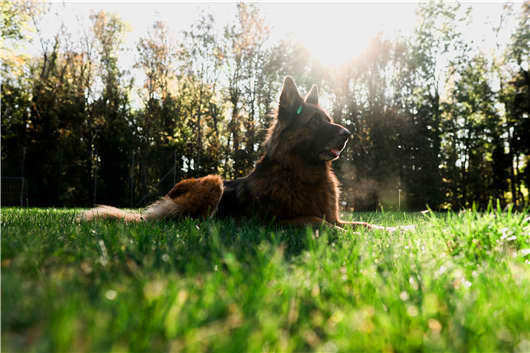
(196, 198)
(109, 212)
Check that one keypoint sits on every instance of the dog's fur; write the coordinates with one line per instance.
(292, 183)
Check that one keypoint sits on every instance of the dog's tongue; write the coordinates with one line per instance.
(335, 151)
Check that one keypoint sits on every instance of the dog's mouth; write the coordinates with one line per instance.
(333, 152)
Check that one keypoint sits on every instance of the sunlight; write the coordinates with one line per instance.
(335, 33)
(334, 43)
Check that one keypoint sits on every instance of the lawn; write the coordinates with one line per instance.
(459, 283)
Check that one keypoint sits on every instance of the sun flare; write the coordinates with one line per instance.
(336, 33)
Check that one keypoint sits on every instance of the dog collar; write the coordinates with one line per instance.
(299, 110)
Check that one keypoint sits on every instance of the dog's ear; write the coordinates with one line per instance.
(312, 96)
(290, 99)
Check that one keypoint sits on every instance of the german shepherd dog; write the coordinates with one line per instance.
(293, 182)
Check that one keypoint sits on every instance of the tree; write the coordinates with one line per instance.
(156, 125)
(362, 101)
(476, 140)
(515, 95)
(437, 42)
(201, 58)
(114, 139)
(253, 75)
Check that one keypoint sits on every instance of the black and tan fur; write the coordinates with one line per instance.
(292, 183)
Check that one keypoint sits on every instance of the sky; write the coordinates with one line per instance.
(333, 32)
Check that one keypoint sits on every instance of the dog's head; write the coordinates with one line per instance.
(304, 129)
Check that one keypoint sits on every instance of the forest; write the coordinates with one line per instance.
(435, 122)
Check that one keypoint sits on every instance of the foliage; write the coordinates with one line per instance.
(220, 286)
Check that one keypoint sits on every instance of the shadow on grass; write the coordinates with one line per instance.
(190, 246)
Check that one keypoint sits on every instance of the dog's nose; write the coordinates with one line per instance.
(345, 132)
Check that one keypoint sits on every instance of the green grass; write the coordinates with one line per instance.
(458, 283)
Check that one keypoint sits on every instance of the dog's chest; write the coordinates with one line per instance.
(286, 196)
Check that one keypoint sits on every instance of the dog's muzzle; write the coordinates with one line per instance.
(334, 149)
